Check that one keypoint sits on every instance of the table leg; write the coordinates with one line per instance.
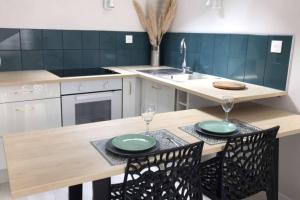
(75, 192)
(101, 189)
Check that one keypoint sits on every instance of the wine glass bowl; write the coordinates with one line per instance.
(148, 115)
(227, 105)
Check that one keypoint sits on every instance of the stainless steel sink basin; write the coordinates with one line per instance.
(162, 71)
(187, 77)
(177, 75)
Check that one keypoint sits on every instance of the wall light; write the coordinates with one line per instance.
(108, 4)
(214, 4)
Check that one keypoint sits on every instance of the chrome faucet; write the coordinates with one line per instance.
(183, 51)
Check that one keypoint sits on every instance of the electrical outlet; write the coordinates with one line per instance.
(276, 46)
(129, 39)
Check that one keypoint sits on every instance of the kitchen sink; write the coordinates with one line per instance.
(162, 71)
(177, 75)
(187, 77)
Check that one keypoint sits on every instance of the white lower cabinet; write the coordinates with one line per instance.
(161, 96)
(27, 108)
(131, 97)
(2, 157)
(30, 115)
(25, 116)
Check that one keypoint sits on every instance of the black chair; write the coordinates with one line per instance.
(172, 174)
(247, 166)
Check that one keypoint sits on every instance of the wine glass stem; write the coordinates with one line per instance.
(147, 127)
(226, 116)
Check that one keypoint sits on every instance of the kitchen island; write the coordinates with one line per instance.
(49, 159)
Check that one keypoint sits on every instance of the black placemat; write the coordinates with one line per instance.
(160, 135)
(243, 127)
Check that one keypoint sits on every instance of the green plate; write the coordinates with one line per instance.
(218, 127)
(133, 142)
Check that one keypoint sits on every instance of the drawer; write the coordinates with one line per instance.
(29, 92)
(26, 116)
(90, 86)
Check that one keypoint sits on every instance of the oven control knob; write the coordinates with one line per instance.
(106, 85)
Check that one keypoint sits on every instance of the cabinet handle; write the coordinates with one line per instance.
(130, 88)
(155, 87)
(25, 109)
(23, 92)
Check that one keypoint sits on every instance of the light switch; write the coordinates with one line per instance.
(276, 46)
(129, 39)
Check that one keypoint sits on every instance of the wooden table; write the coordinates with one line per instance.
(50, 159)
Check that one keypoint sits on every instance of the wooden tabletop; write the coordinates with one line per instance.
(45, 160)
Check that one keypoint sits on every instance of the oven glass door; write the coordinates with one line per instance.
(92, 107)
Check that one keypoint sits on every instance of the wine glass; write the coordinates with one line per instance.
(227, 105)
(147, 115)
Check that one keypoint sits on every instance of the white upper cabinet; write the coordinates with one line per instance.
(161, 96)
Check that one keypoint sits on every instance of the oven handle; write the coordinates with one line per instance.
(93, 96)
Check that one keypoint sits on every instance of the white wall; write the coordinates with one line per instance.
(68, 14)
(258, 17)
(238, 16)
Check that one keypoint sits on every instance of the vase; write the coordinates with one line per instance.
(155, 56)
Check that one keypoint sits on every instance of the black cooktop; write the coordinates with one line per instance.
(81, 72)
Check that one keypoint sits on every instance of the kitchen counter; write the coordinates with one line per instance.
(43, 76)
(204, 88)
(200, 87)
(50, 159)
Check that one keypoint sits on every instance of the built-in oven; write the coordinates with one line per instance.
(91, 101)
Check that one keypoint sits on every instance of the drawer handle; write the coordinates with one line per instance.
(155, 87)
(25, 109)
(130, 88)
(23, 92)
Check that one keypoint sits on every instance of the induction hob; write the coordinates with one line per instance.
(81, 72)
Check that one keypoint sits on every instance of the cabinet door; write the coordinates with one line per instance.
(30, 115)
(2, 156)
(166, 99)
(161, 96)
(149, 94)
(131, 97)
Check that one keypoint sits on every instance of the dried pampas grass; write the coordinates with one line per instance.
(155, 26)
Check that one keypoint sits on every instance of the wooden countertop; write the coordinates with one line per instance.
(43, 76)
(205, 89)
(50, 159)
(200, 87)
(26, 77)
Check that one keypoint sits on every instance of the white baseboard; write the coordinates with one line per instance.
(3, 176)
(283, 197)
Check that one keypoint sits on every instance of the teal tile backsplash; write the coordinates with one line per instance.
(236, 56)
(33, 49)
